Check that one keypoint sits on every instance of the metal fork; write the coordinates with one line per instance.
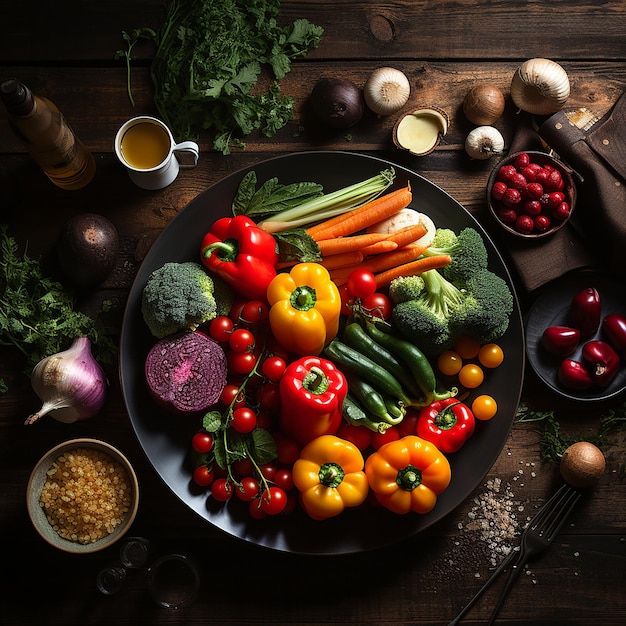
(536, 538)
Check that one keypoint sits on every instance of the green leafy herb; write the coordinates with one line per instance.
(131, 40)
(38, 315)
(209, 58)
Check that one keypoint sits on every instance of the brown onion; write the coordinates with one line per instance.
(483, 104)
(582, 464)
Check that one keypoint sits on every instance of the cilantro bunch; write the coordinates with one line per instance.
(209, 57)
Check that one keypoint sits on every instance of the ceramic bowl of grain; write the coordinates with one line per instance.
(82, 496)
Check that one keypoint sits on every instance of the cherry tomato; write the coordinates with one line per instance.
(391, 434)
(202, 442)
(378, 304)
(467, 348)
(243, 467)
(244, 420)
(450, 363)
(255, 510)
(361, 283)
(360, 436)
(203, 476)
(283, 479)
(273, 367)
(220, 328)
(491, 355)
(471, 376)
(408, 426)
(222, 489)
(254, 312)
(273, 500)
(231, 393)
(265, 420)
(287, 450)
(247, 489)
(241, 340)
(347, 300)
(484, 407)
(268, 397)
(241, 362)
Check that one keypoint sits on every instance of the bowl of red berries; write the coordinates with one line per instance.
(531, 194)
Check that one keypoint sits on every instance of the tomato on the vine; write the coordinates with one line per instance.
(361, 283)
(287, 449)
(254, 312)
(268, 470)
(220, 328)
(241, 362)
(241, 340)
(255, 510)
(222, 489)
(273, 368)
(268, 397)
(273, 500)
(378, 304)
(347, 300)
(203, 476)
(244, 420)
(283, 479)
(247, 489)
(202, 442)
(471, 376)
(230, 394)
(243, 467)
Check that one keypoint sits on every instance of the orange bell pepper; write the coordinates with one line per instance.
(329, 476)
(408, 474)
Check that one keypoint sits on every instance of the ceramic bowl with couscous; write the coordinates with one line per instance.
(82, 495)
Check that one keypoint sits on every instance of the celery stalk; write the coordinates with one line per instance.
(331, 204)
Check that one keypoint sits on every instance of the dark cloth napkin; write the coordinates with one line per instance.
(595, 236)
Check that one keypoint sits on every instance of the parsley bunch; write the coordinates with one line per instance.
(37, 314)
(209, 57)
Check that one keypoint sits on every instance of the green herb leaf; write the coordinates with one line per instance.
(297, 245)
(263, 446)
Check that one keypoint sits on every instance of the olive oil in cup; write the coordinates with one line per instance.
(145, 146)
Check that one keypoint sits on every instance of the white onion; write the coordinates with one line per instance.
(540, 86)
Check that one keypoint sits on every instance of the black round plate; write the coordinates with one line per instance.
(166, 440)
(551, 309)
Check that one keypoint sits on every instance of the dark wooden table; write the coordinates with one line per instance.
(64, 50)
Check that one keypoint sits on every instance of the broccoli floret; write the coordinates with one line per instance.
(488, 307)
(467, 250)
(177, 296)
(426, 321)
(224, 294)
(406, 288)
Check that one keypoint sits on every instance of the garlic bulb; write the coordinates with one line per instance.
(540, 86)
(483, 142)
(386, 91)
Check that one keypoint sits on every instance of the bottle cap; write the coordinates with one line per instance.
(17, 98)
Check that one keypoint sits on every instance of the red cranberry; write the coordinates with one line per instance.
(554, 180)
(505, 173)
(532, 207)
(534, 190)
(497, 190)
(530, 172)
(506, 215)
(555, 199)
(542, 176)
(524, 224)
(522, 160)
(542, 223)
(562, 211)
(517, 181)
(511, 197)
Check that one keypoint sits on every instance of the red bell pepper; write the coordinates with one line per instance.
(446, 423)
(242, 254)
(312, 391)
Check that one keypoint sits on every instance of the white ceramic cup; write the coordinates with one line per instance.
(146, 148)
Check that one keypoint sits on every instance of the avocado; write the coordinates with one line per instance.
(87, 249)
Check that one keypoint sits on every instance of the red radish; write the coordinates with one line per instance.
(186, 372)
(560, 340)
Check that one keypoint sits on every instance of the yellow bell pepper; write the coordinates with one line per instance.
(408, 474)
(329, 476)
(305, 308)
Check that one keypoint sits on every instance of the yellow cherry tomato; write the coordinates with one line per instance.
(471, 376)
(467, 347)
(491, 355)
(484, 407)
(449, 363)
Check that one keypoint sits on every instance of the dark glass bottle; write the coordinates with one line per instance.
(48, 136)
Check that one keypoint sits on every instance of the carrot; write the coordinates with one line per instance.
(342, 260)
(408, 234)
(346, 244)
(410, 269)
(363, 216)
(387, 260)
(379, 247)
